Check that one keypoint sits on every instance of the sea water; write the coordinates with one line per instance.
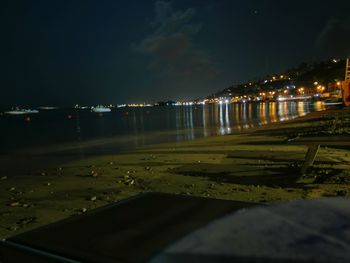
(128, 128)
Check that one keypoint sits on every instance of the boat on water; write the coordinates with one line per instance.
(48, 108)
(100, 109)
(81, 107)
(18, 111)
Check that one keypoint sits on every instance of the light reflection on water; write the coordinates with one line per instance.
(135, 127)
(221, 119)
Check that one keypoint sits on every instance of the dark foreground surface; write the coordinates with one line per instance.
(157, 227)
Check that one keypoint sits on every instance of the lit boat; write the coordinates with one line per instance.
(100, 109)
(18, 111)
(48, 108)
(77, 106)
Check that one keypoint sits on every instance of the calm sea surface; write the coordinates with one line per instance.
(129, 128)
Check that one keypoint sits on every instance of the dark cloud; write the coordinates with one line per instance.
(335, 38)
(162, 10)
(171, 47)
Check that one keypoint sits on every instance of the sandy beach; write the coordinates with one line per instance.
(257, 165)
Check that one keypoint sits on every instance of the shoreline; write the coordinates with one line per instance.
(29, 160)
(255, 165)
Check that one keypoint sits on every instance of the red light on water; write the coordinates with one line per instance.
(28, 119)
(69, 117)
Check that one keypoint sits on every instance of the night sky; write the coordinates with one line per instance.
(90, 52)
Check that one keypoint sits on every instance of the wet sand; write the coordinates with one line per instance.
(258, 166)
